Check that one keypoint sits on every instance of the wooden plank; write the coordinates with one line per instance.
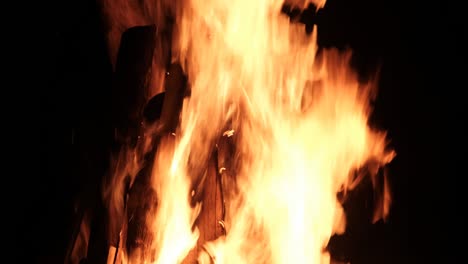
(211, 213)
(132, 74)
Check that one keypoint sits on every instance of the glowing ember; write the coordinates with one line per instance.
(299, 123)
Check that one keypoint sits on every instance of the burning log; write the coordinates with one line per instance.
(175, 86)
(131, 76)
(161, 111)
(133, 69)
(132, 73)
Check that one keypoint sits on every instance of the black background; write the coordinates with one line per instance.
(407, 40)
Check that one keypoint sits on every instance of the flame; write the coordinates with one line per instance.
(300, 123)
(173, 233)
(79, 246)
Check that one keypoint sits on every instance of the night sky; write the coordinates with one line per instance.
(404, 40)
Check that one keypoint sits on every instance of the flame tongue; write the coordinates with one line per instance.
(300, 130)
(173, 234)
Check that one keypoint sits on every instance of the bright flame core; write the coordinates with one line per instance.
(300, 127)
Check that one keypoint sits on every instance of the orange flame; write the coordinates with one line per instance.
(300, 123)
(172, 225)
(301, 126)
